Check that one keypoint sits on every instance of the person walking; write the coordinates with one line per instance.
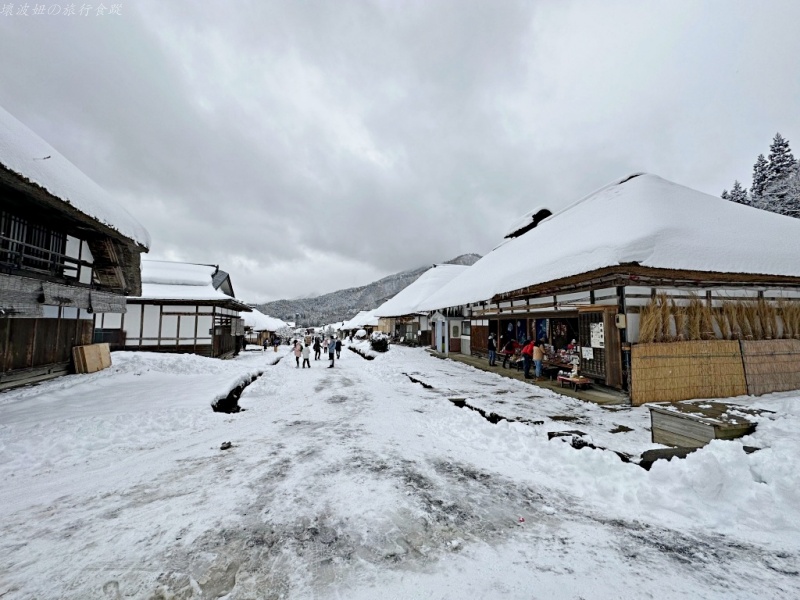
(306, 355)
(538, 356)
(492, 351)
(338, 348)
(266, 343)
(331, 351)
(527, 356)
(297, 352)
(317, 348)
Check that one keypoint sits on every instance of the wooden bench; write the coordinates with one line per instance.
(574, 382)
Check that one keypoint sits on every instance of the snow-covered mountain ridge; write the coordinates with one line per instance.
(344, 304)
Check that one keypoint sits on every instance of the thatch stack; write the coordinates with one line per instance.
(663, 320)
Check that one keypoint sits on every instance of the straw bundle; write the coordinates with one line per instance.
(648, 323)
(694, 317)
(756, 328)
(731, 316)
(766, 316)
(743, 316)
(786, 325)
(679, 313)
(706, 322)
(665, 335)
(722, 322)
(791, 319)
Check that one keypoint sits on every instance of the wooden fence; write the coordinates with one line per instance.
(669, 372)
(684, 370)
(771, 365)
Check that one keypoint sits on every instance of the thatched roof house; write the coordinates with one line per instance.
(67, 248)
(589, 270)
(401, 315)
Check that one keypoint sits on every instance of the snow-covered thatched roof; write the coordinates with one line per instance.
(641, 219)
(365, 318)
(409, 299)
(258, 321)
(29, 156)
(165, 280)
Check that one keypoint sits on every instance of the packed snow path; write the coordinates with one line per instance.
(355, 482)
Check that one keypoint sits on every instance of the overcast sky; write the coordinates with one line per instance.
(311, 146)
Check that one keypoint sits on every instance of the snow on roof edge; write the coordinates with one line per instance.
(27, 155)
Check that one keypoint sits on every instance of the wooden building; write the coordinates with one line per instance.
(400, 315)
(259, 327)
(588, 271)
(365, 319)
(67, 250)
(183, 308)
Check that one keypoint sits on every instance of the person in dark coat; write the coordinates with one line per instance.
(317, 348)
(338, 348)
(492, 351)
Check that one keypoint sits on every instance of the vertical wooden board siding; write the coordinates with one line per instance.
(613, 351)
(771, 365)
(684, 370)
(5, 346)
(21, 343)
(479, 337)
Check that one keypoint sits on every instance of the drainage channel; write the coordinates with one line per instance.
(576, 439)
(230, 404)
(360, 353)
(492, 417)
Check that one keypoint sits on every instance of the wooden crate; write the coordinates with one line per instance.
(694, 424)
(91, 358)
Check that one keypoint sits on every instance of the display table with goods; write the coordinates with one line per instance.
(575, 382)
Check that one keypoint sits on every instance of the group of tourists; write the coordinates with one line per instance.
(333, 345)
(274, 342)
(532, 353)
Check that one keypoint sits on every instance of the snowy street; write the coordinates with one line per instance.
(358, 483)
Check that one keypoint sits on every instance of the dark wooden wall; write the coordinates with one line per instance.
(32, 347)
(479, 339)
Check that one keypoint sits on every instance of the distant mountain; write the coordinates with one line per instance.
(344, 304)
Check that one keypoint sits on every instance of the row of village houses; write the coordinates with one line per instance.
(71, 273)
(592, 277)
(653, 288)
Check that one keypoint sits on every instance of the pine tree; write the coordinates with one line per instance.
(781, 161)
(738, 194)
(760, 171)
(725, 195)
(779, 194)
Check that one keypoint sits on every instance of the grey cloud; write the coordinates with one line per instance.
(308, 146)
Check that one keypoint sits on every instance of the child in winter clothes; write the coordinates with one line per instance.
(298, 350)
(306, 355)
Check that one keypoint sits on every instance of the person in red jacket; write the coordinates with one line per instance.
(527, 358)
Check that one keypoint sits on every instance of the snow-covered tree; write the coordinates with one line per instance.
(760, 171)
(725, 195)
(781, 161)
(738, 194)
